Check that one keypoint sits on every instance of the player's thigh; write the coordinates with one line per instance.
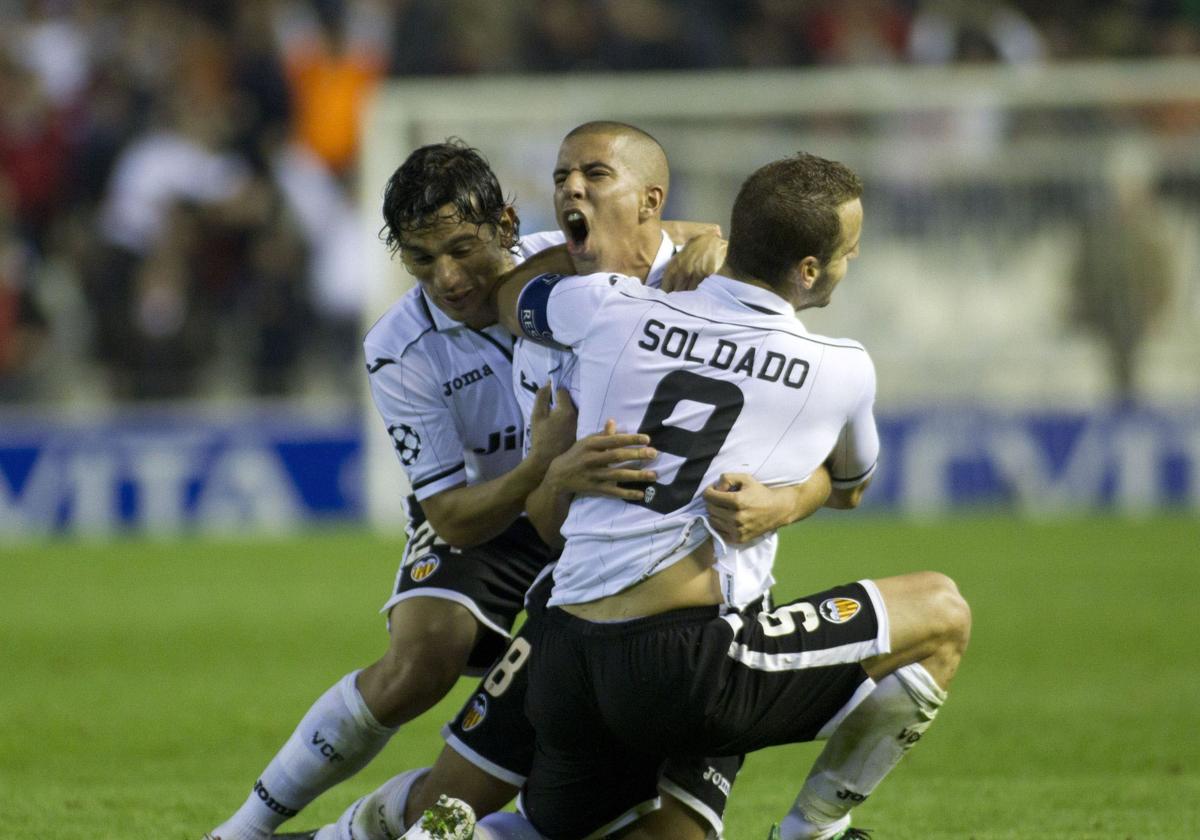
(491, 731)
(591, 794)
(489, 581)
(789, 674)
(438, 633)
(694, 794)
(925, 613)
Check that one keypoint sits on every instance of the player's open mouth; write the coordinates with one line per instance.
(576, 228)
(456, 300)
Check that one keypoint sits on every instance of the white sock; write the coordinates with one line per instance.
(334, 740)
(505, 825)
(862, 751)
(377, 816)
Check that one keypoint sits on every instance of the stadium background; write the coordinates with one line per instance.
(198, 513)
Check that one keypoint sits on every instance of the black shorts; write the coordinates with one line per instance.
(493, 732)
(613, 699)
(490, 580)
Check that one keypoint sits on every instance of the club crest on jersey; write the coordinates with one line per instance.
(424, 567)
(649, 493)
(475, 713)
(839, 610)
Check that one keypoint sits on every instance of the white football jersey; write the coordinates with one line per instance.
(536, 364)
(444, 390)
(723, 379)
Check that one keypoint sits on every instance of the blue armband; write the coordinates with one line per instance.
(531, 307)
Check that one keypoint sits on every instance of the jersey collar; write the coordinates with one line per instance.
(751, 297)
(440, 320)
(666, 250)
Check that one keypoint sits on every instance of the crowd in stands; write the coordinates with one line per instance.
(176, 176)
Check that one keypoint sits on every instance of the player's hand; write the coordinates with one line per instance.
(741, 508)
(596, 465)
(698, 259)
(553, 427)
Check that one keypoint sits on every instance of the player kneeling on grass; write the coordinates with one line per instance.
(440, 374)
(641, 657)
(611, 182)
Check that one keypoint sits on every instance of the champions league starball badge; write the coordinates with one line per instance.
(407, 442)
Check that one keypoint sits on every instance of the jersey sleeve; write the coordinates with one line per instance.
(423, 431)
(533, 366)
(532, 243)
(857, 451)
(558, 309)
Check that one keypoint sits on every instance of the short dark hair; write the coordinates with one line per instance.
(450, 173)
(786, 211)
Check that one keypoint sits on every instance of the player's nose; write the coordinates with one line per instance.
(447, 274)
(573, 185)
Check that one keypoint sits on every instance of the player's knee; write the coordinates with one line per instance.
(949, 613)
(424, 659)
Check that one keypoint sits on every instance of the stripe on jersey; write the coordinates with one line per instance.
(855, 479)
(505, 350)
(797, 660)
(445, 473)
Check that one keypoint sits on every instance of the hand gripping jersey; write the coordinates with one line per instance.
(535, 364)
(722, 379)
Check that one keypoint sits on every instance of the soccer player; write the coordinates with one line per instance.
(611, 183)
(440, 373)
(639, 655)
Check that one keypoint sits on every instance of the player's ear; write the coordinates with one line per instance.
(652, 202)
(808, 271)
(509, 226)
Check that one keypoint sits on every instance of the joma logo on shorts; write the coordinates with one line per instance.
(718, 779)
(462, 381)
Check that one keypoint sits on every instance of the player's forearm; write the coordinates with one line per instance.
(509, 285)
(810, 496)
(474, 514)
(547, 511)
(683, 232)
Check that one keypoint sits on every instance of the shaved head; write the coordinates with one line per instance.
(638, 149)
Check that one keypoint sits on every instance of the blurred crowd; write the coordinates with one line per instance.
(176, 178)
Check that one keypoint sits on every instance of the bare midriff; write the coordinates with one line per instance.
(690, 582)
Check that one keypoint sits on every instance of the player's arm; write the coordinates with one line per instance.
(508, 287)
(467, 515)
(682, 233)
(595, 465)
(852, 462)
(847, 499)
(701, 256)
(741, 508)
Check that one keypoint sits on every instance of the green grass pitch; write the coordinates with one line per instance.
(145, 683)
